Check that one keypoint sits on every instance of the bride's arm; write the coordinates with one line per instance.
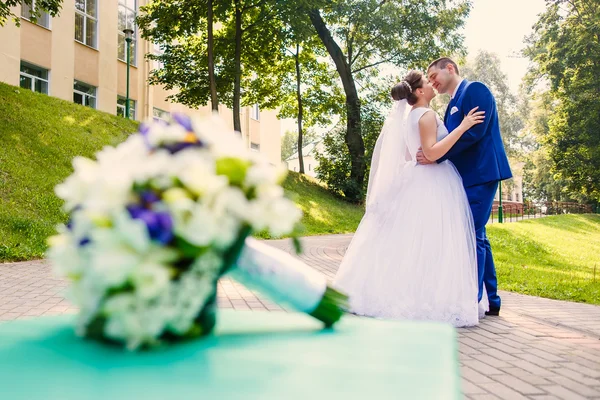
(432, 149)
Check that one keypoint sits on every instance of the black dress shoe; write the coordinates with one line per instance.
(493, 311)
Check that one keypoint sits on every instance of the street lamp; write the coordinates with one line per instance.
(128, 38)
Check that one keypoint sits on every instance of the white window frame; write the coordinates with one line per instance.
(85, 19)
(255, 112)
(87, 95)
(131, 107)
(133, 60)
(164, 115)
(43, 13)
(158, 51)
(34, 78)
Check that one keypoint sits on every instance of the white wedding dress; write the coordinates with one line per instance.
(413, 256)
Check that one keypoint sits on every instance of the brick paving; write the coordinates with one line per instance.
(538, 348)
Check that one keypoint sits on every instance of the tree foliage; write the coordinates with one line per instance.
(51, 7)
(361, 35)
(565, 50)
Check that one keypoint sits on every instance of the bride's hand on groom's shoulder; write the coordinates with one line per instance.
(421, 159)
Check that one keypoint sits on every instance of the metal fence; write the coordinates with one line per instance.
(512, 211)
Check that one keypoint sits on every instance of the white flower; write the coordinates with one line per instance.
(109, 193)
(160, 134)
(230, 200)
(262, 173)
(284, 214)
(226, 232)
(189, 296)
(65, 255)
(221, 139)
(150, 279)
(197, 173)
(269, 192)
(75, 188)
(133, 320)
(119, 304)
(208, 263)
(133, 232)
(111, 263)
(200, 226)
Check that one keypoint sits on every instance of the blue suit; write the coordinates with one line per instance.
(480, 159)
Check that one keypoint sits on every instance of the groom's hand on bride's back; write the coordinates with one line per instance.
(421, 159)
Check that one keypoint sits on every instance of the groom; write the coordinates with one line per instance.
(479, 157)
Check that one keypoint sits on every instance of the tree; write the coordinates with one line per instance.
(335, 161)
(485, 68)
(565, 50)
(182, 29)
(210, 47)
(360, 35)
(310, 93)
(247, 50)
(289, 142)
(51, 7)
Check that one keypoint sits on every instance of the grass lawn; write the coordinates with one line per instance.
(551, 257)
(39, 136)
(324, 213)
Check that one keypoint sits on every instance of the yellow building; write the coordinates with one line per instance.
(80, 56)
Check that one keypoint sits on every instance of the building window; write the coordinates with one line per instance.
(255, 146)
(255, 113)
(86, 22)
(84, 94)
(294, 169)
(34, 78)
(160, 115)
(158, 51)
(27, 13)
(121, 107)
(126, 20)
(309, 167)
(517, 197)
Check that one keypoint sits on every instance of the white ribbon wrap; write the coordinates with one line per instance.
(280, 276)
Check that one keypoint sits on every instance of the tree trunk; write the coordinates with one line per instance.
(214, 101)
(353, 138)
(300, 111)
(237, 125)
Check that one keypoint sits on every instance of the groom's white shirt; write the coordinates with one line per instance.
(455, 109)
(456, 88)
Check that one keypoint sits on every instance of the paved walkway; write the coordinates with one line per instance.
(537, 349)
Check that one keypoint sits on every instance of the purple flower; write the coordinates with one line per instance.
(149, 197)
(159, 224)
(177, 147)
(144, 130)
(183, 120)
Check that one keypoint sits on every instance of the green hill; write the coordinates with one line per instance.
(39, 136)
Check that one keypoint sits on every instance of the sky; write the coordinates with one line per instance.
(497, 26)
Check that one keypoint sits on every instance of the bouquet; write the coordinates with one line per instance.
(157, 220)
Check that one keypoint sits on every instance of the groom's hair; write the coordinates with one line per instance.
(442, 63)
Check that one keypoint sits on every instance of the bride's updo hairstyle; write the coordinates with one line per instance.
(406, 88)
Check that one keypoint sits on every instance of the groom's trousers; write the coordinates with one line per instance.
(481, 199)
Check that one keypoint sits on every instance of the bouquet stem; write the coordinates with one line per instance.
(288, 280)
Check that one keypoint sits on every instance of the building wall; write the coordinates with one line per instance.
(10, 51)
(310, 163)
(56, 50)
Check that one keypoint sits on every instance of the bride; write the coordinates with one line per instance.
(413, 255)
